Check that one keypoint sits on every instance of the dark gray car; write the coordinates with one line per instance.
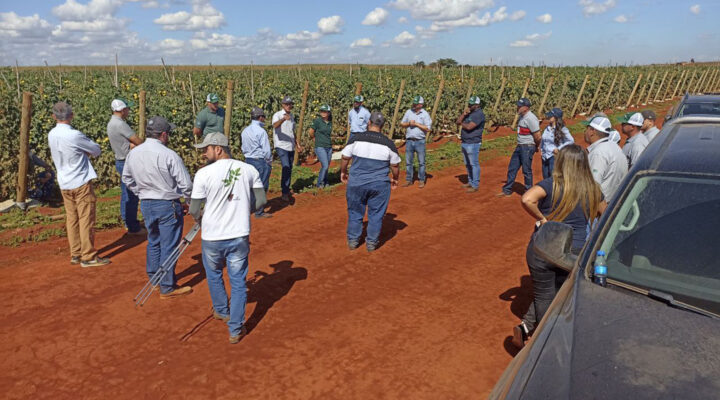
(654, 331)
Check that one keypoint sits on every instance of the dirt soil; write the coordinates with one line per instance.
(426, 316)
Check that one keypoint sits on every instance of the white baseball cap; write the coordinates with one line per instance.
(118, 105)
(635, 119)
(601, 124)
(615, 136)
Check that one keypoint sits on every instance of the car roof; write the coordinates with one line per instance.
(686, 144)
(701, 98)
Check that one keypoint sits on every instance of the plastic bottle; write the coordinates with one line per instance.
(600, 270)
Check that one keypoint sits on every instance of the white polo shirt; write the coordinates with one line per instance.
(227, 187)
(284, 135)
(70, 149)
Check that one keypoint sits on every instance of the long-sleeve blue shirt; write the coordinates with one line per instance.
(255, 142)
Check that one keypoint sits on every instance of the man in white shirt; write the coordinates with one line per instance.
(607, 162)
(417, 121)
(122, 139)
(636, 141)
(528, 141)
(227, 187)
(649, 129)
(157, 175)
(70, 151)
(283, 123)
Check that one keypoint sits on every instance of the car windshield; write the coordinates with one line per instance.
(706, 108)
(665, 237)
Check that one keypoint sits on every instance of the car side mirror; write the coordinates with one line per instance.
(667, 117)
(553, 243)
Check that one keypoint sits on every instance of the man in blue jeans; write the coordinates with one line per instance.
(159, 178)
(417, 122)
(472, 122)
(256, 149)
(122, 139)
(368, 184)
(528, 141)
(227, 187)
(283, 123)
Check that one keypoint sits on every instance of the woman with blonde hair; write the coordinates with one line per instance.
(570, 196)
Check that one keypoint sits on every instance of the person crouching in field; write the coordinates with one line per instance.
(227, 187)
(368, 185)
(570, 196)
(554, 137)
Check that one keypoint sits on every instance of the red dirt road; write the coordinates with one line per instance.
(426, 316)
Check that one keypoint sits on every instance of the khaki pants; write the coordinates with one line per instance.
(80, 219)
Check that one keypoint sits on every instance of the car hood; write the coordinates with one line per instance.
(614, 343)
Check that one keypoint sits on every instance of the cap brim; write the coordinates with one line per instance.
(585, 123)
(200, 146)
(172, 126)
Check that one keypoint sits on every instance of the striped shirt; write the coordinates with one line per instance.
(372, 154)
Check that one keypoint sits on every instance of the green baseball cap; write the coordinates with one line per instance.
(632, 118)
(358, 99)
(212, 98)
(325, 107)
(474, 100)
(418, 100)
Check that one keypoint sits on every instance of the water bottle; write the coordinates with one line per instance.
(600, 270)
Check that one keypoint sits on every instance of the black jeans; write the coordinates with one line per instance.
(547, 280)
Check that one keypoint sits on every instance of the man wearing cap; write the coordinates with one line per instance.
(358, 116)
(417, 122)
(159, 178)
(211, 118)
(283, 123)
(368, 185)
(636, 141)
(528, 140)
(257, 152)
(71, 152)
(649, 129)
(472, 122)
(122, 138)
(227, 187)
(607, 162)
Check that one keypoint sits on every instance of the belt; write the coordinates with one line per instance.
(526, 144)
(414, 139)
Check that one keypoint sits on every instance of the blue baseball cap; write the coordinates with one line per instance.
(523, 102)
(555, 112)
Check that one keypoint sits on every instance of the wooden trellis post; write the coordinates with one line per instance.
(692, 79)
(632, 93)
(228, 110)
(22, 181)
(545, 95)
(668, 86)
(435, 107)
(609, 93)
(524, 94)
(141, 114)
(577, 101)
(597, 93)
(679, 83)
(300, 129)
(662, 82)
(397, 109)
(652, 85)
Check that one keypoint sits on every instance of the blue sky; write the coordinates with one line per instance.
(575, 32)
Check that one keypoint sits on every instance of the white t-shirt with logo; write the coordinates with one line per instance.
(227, 187)
(284, 135)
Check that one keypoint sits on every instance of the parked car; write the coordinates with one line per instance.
(654, 331)
(696, 105)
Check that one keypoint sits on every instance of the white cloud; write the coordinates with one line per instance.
(98, 25)
(521, 43)
(621, 19)
(376, 17)
(404, 39)
(15, 26)
(591, 7)
(330, 25)
(517, 15)
(364, 42)
(695, 9)
(441, 10)
(538, 36)
(71, 10)
(545, 18)
(402, 20)
(425, 33)
(203, 16)
(473, 20)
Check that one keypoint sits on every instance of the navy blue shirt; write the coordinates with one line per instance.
(475, 135)
(576, 219)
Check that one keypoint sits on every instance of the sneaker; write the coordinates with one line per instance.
(263, 215)
(422, 184)
(406, 184)
(75, 260)
(466, 185)
(503, 194)
(237, 338)
(353, 244)
(286, 197)
(140, 232)
(520, 335)
(177, 291)
(97, 262)
(472, 189)
(223, 318)
(371, 246)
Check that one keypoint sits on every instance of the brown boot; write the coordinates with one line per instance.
(235, 339)
(178, 291)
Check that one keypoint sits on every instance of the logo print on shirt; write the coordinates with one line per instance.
(232, 177)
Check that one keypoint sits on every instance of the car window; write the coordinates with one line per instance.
(665, 236)
(708, 108)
